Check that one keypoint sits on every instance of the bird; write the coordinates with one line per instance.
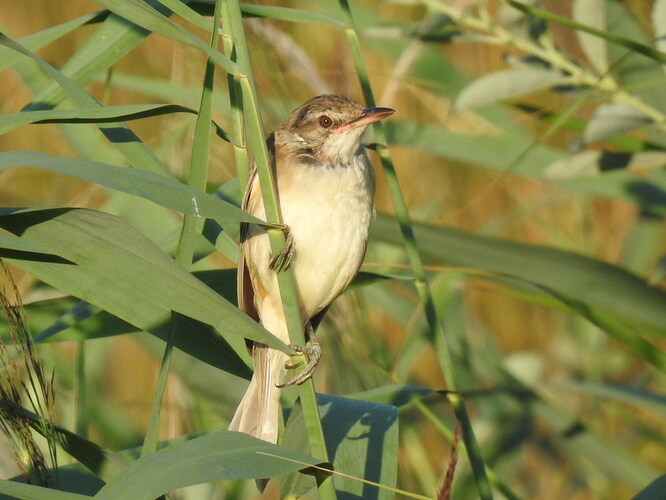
(325, 185)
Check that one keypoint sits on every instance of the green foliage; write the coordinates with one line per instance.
(544, 352)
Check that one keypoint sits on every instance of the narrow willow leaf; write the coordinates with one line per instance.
(592, 13)
(633, 46)
(589, 163)
(162, 190)
(613, 119)
(102, 114)
(218, 456)
(659, 24)
(597, 284)
(42, 38)
(506, 84)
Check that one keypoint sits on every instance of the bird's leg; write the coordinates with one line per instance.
(313, 352)
(282, 259)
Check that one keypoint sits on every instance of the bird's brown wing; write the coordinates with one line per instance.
(244, 284)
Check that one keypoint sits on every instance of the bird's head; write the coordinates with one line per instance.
(328, 128)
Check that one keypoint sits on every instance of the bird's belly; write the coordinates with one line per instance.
(330, 225)
(329, 248)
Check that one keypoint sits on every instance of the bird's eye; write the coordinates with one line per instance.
(325, 121)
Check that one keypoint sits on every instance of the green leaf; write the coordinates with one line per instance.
(625, 394)
(498, 152)
(653, 491)
(30, 492)
(596, 163)
(106, 46)
(38, 40)
(592, 13)
(142, 14)
(160, 189)
(595, 283)
(271, 12)
(103, 463)
(118, 133)
(288, 14)
(362, 440)
(633, 46)
(613, 119)
(505, 84)
(8, 242)
(103, 114)
(394, 395)
(214, 457)
(659, 24)
(120, 271)
(365, 278)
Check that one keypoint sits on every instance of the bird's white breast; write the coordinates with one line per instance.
(328, 210)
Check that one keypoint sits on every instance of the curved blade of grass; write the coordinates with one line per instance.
(270, 12)
(289, 14)
(142, 14)
(104, 114)
(31, 492)
(214, 457)
(629, 395)
(105, 464)
(522, 155)
(188, 13)
(497, 151)
(119, 270)
(42, 38)
(594, 283)
(108, 44)
(162, 190)
(118, 133)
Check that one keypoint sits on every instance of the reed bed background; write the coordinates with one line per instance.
(514, 323)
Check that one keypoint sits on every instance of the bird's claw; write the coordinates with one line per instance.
(282, 259)
(313, 352)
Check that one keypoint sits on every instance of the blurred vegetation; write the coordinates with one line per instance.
(530, 146)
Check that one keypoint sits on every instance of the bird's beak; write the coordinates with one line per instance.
(369, 115)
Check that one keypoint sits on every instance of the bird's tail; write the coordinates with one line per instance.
(258, 414)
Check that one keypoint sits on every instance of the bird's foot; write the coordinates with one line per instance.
(313, 352)
(282, 259)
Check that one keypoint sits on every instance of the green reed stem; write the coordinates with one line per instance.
(420, 279)
(273, 215)
(192, 225)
